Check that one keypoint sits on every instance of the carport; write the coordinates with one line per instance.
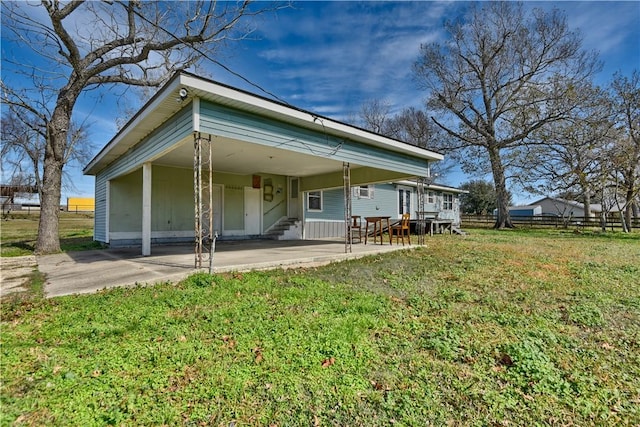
(202, 159)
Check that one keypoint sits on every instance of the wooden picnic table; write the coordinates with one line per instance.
(377, 227)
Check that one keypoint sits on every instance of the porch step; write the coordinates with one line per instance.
(286, 229)
(458, 231)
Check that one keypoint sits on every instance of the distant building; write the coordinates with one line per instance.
(81, 204)
(529, 210)
(567, 208)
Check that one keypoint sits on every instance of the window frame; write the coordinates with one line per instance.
(447, 205)
(431, 197)
(407, 196)
(316, 195)
(358, 191)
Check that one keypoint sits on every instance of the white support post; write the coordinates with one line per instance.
(146, 209)
(107, 210)
(348, 232)
(421, 224)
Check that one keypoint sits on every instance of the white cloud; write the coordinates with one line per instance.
(349, 52)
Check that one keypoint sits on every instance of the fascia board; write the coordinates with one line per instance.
(142, 115)
(211, 90)
(303, 118)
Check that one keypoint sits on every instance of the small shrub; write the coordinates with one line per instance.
(200, 280)
(445, 343)
(587, 315)
(530, 368)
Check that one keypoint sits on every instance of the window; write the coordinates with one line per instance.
(404, 201)
(431, 197)
(447, 202)
(314, 200)
(363, 192)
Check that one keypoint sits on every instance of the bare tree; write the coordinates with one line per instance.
(624, 155)
(23, 146)
(374, 115)
(569, 158)
(82, 45)
(413, 126)
(501, 75)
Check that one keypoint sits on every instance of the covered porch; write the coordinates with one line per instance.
(202, 159)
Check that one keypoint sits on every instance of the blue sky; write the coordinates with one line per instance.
(331, 57)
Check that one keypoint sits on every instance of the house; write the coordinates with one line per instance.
(204, 157)
(527, 210)
(324, 210)
(554, 206)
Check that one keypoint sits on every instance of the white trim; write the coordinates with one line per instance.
(249, 193)
(293, 211)
(195, 119)
(142, 116)
(436, 187)
(430, 197)
(307, 193)
(146, 209)
(107, 209)
(405, 189)
(130, 235)
(444, 202)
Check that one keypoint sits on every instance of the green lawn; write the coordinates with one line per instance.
(497, 328)
(18, 234)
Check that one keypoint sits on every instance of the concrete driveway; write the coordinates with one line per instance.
(89, 271)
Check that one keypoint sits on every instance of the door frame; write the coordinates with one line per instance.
(293, 203)
(253, 196)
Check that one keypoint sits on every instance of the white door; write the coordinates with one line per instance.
(252, 211)
(294, 201)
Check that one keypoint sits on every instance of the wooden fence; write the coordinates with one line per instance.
(542, 221)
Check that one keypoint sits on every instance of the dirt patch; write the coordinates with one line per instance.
(15, 273)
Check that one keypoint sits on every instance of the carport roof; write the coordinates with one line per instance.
(167, 102)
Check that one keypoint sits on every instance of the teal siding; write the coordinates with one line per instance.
(159, 141)
(223, 121)
(332, 206)
(100, 215)
(383, 203)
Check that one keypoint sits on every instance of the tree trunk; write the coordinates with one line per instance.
(503, 219)
(587, 205)
(48, 237)
(628, 211)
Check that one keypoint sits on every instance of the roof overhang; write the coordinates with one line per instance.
(168, 101)
(434, 186)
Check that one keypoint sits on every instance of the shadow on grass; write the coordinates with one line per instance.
(27, 247)
(21, 248)
(80, 244)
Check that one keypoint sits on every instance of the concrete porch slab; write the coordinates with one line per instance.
(90, 271)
